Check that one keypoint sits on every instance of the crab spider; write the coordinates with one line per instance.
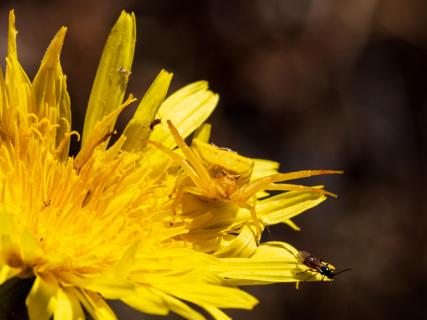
(221, 174)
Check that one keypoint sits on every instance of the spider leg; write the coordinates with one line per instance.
(265, 184)
(258, 223)
(179, 195)
(297, 187)
(192, 173)
(298, 175)
(175, 205)
(261, 183)
(192, 157)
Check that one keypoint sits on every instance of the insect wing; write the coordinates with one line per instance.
(302, 256)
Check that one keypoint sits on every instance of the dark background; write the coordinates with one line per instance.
(313, 84)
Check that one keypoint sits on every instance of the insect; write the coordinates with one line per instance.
(154, 123)
(46, 204)
(223, 175)
(123, 71)
(317, 265)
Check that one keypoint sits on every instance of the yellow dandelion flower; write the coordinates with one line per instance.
(148, 220)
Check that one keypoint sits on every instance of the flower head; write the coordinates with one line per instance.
(148, 220)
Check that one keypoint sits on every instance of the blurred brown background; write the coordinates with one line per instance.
(313, 84)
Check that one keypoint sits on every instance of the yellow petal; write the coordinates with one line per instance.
(99, 135)
(47, 82)
(187, 109)
(7, 272)
(271, 262)
(67, 306)
(17, 82)
(146, 300)
(3, 94)
(138, 129)
(216, 313)
(208, 294)
(264, 168)
(111, 288)
(18, 246)
(244, 245)
(41, 299)
(291, 224)
(96, 306)
(180, 307)
(203, 133)
(287, 205)
(30, 247)
(112, 75)
(49, 89)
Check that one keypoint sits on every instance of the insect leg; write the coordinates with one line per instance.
(312, 276)
(303, 271)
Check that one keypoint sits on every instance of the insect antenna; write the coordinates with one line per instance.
(337, 273)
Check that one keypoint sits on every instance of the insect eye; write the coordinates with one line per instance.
(324, 268)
